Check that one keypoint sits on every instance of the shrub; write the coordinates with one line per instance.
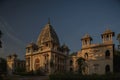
(71, 76)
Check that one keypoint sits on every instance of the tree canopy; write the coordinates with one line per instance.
(118, 37)
(80, 62)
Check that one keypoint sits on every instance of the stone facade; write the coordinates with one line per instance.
(47, 55)
(13, 64)
(98, 57)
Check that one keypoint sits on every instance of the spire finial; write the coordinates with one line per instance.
(108, 27)
(49, 20)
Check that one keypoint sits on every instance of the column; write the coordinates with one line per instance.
(111, 37)
(105, 37)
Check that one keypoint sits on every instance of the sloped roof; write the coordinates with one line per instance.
(108, 31)
(86, 36)
(47, 34)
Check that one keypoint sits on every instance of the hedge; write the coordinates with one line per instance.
(72, 76)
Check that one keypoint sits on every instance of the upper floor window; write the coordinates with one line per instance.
(46, 44)
(107, 54)
(86, 55)
(28, 50)
(85, 42)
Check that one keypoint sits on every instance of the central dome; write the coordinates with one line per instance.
(47, 34)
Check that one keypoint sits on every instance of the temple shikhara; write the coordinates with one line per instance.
(49, 56)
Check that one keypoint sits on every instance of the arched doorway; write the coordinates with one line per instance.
(71, 69)
(107, 69)
(37, 64)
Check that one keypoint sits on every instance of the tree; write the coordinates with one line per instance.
(116, 61)
(81, 62)
(118, 37)
(3, 66)
(19, 69)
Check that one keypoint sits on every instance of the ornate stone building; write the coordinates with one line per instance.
(47, 55)
(14, 64)
(98, 57)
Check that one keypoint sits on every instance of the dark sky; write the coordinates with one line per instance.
(22, 20)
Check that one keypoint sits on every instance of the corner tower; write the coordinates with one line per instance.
(86, 40)
(107, 36)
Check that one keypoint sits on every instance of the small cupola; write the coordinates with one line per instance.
(86, 40)
(65, 49)
(107, 36)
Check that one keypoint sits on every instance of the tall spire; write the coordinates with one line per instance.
(49, 20)
(48, 34)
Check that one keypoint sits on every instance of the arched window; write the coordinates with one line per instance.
(96, 68)
(86, 55)
(37, 64)
(85, 42)
(28, 50)
(107, 54)
(107, 69)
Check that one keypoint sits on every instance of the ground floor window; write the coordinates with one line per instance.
(71, 69)
(96, 68)
(107, 68)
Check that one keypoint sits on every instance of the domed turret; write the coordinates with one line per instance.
(86, 40)
(107, 31)
(107, 36)
(65, 49)
(86, 36)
